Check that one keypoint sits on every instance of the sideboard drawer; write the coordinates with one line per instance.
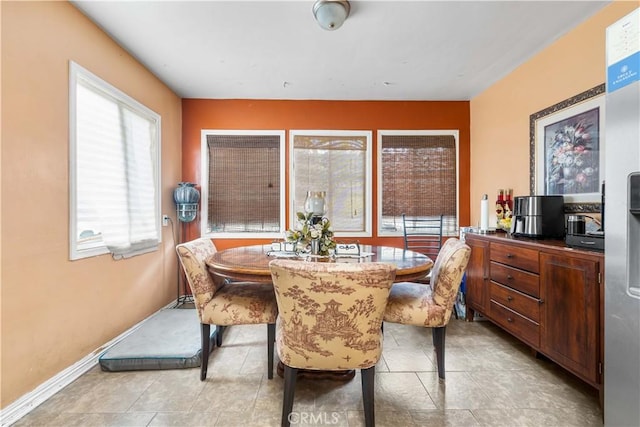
(523, 281)
(523, 258)
(516, 301)
(520, 326)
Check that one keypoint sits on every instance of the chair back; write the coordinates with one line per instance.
(423, 235)
(192, 256)
(447, 272)
(330, 314)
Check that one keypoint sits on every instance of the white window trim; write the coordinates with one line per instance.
(453, 132)
(77, 72)
(368, 185)
(204, 167)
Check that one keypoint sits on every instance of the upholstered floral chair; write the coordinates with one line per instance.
(431, 306)
(222, 303)
(330, 318)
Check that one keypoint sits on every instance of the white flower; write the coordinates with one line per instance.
(570, 131)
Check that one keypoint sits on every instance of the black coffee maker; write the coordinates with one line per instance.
(538, 216)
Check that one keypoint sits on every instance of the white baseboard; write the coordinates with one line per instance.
(46, 390)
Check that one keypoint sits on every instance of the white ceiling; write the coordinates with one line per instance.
(386, 50)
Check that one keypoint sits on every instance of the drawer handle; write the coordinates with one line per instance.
(509, 255)
(509, 298)
(540, 301)
(509, 319)
(485, 278)
(509, 277)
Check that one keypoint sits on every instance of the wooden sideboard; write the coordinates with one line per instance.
(545, 294)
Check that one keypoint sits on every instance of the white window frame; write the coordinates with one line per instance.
(381, 133)
(368, 204)
(204, 205)
(98, 247)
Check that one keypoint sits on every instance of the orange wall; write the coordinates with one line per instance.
(500, 115)
(201, 114)
(54, 311)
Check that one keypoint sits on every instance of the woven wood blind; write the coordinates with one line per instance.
(244, 183)
(418, 175)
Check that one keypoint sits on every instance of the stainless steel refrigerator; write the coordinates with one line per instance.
(622, 224)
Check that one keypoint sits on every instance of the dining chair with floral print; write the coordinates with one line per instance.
(223, 303)
(431, 306)
(330, 318)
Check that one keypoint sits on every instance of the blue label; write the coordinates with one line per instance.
(623, 72)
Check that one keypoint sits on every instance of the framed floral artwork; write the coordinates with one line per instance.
(566, 150)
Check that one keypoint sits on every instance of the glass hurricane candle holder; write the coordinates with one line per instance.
(315, 203)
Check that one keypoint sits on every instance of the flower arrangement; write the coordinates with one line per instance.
(573, 156)
(505, 224)
(310, 227)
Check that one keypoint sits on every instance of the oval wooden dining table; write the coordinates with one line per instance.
(251, 264)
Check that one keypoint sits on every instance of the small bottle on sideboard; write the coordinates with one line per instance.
(500, 206)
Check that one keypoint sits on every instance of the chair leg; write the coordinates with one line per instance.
(290, 376)
(438, 343)
(368, 383)
(219, 332)
(205, 332)
(271, 338)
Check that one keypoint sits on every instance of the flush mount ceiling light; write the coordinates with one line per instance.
(331, 14)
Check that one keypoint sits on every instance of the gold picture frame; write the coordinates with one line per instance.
(566, 150)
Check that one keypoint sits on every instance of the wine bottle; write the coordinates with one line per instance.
(500, 206)
(508, 203)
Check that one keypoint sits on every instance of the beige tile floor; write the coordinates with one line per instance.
(492, 380)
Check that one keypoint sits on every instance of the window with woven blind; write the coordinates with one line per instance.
(339, 163)
(114, 170)
(418, 176)
(243, 183)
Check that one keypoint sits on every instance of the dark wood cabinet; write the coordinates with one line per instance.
(569, 333)
(477, 277)
(545, 294)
